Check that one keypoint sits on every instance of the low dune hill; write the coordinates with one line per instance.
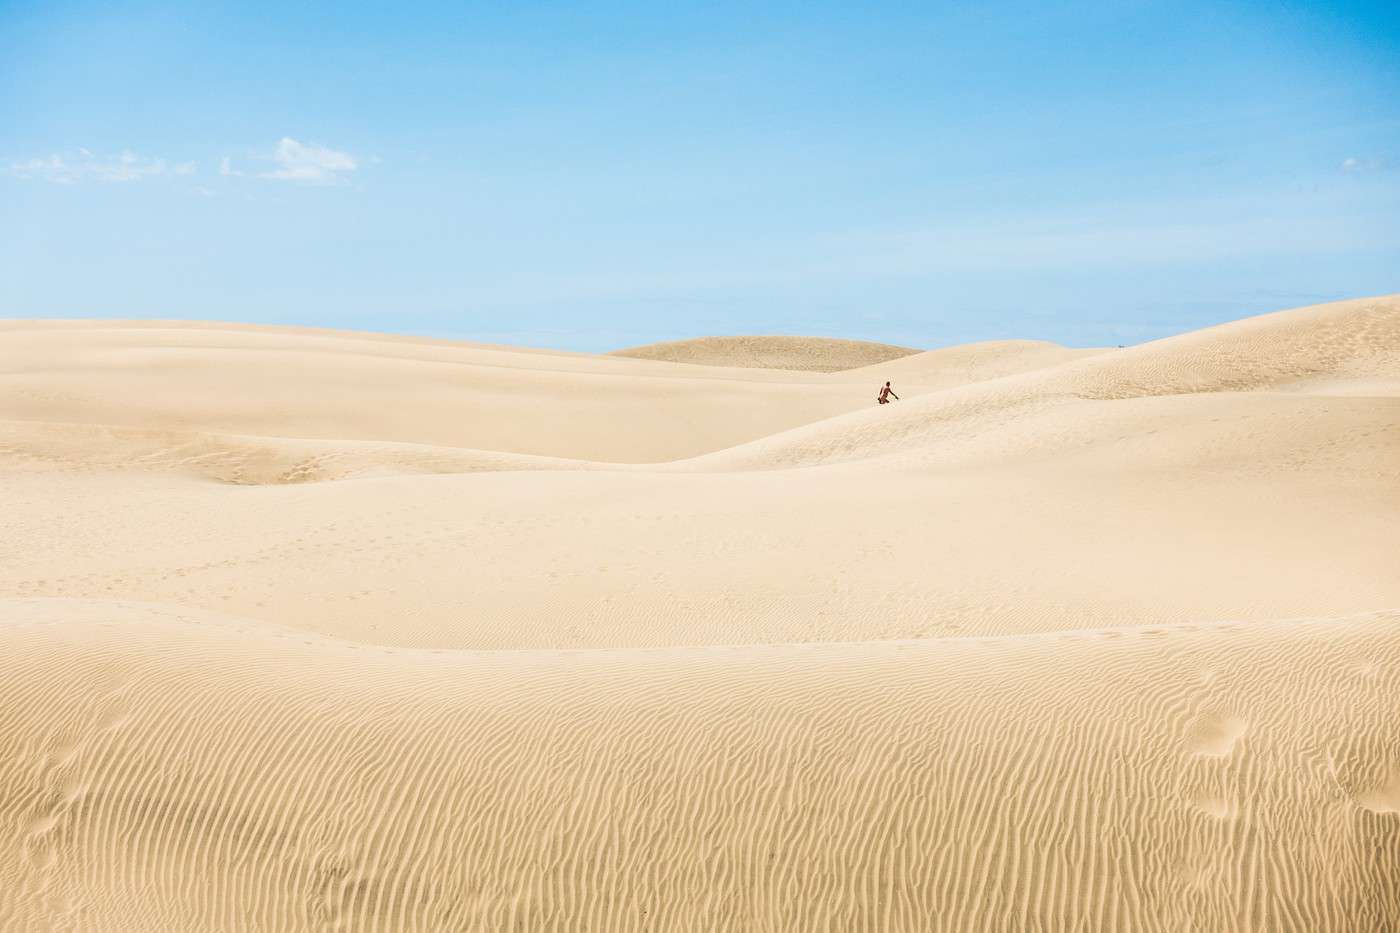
(800, 354)
(314, 630)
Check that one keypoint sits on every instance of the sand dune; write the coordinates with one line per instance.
(308, 630)
(806, 354)
(316, 386)
(1275, 352)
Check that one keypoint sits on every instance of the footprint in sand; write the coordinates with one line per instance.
(1214, 736)
(116, 715)
(1382, 799)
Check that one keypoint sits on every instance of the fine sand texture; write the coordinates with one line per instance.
(308, 630)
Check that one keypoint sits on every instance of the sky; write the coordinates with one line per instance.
(594, 175)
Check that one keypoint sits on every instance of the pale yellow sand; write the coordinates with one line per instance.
(305, 630)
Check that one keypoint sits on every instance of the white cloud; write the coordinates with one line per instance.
(85, 165)
(309, 164)
(226, 167)
(185, 168)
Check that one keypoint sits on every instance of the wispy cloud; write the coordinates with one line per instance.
(1357, 165)
(291, 160)
(84, 165)
(309, 164)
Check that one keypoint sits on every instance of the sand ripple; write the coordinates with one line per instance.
(178, 771)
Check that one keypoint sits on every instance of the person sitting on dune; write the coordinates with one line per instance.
(885, 394)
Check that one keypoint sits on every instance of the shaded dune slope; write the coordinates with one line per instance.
(202, 773)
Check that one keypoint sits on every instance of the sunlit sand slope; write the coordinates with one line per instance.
(175, 771)
(810, 354)
(1167, 527)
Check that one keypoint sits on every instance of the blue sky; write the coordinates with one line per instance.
(589, 176)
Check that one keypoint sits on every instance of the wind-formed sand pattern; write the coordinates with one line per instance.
(310, 630)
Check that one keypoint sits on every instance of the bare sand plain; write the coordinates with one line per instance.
(313, 630)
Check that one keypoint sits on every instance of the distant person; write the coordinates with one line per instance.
(885, 394)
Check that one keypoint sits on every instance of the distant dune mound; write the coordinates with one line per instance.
(803, 354)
